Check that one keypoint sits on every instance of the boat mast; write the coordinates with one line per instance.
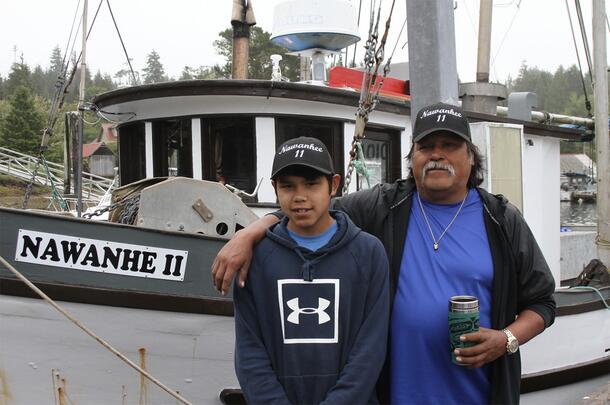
(242, 18)
(600, 70)
(81, 122)
(432, 63)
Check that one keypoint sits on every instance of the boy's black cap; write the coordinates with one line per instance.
(302, 151)
(441, 117)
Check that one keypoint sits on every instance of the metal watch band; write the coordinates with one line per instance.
(512, 344)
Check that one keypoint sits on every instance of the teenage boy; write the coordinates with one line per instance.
(311, 323)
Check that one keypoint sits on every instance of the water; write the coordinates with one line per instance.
(575, 213)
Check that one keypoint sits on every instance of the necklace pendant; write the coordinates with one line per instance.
(435, 247)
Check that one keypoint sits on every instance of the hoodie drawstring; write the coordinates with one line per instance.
(307, 269)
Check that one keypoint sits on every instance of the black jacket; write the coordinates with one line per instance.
(522, 278)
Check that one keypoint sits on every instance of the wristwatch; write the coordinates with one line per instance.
(512, 344)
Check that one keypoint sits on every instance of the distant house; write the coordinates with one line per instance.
(100, 159)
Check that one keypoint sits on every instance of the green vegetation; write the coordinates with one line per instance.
(26, 94)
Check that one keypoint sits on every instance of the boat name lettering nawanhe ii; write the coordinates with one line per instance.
(100, 256)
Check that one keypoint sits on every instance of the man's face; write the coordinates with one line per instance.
(441, 167)
(305, 202)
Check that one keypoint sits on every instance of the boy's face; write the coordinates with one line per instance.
(305, 202)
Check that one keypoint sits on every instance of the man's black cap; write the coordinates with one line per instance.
(441, 117)
(303, 151)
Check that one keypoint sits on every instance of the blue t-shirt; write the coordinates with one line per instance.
(314, 243)
(422, 371)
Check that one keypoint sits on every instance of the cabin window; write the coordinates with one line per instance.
(329, 132)
(229, 151)
(381, 149)
(172, 148)
(132, 152)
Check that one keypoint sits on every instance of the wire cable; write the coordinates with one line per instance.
(465, 3)
(70, 36)
(518, 8)
(583, 32)
(582, 77)
(133, 75)
(356, 44)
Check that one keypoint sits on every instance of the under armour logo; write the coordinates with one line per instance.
(323, 317)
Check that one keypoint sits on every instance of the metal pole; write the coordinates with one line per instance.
(432, 62)
(67, 153)
(485, 12)
(552, 118)
(81, 123)
(600, 69)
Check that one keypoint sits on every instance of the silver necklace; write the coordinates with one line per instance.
(436, 242)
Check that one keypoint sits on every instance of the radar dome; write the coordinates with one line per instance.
(306, 24)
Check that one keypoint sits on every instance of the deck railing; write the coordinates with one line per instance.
(20, 165)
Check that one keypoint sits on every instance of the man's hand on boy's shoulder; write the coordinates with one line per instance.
(236, 255)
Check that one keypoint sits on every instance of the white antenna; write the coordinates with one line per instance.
(276, 73)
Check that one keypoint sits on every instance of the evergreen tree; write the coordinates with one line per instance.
(2, 82)
(154, 72)
(21, 129)
(125, 77)
(261, 49)
(56, 64)
(20, 75)
(39, 82)
(100, 84)
(202, 72)
(188, 73)
(54, 71)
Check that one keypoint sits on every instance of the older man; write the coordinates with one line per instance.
(444, 236)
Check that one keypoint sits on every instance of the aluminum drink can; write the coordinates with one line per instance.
(463, 318)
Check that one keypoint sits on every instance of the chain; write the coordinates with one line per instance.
(131, 209)
(373, 58)
(129, 214)
(361, 120)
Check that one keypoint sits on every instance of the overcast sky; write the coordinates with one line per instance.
(182, 32)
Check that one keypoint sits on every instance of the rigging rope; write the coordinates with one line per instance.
(70, 36)
(92, 334)
(583, 33)
(518, 8)
(133, 75)
(582, 77)
(55, 195)
(59, 97)
(356, 44)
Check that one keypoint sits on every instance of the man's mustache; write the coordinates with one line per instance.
(432, 165)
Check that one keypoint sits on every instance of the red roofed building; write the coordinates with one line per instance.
(99, 158)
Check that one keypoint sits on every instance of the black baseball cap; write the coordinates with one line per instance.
(302, 151)
(441, 117)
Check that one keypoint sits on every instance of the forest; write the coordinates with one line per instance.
(27, 92)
